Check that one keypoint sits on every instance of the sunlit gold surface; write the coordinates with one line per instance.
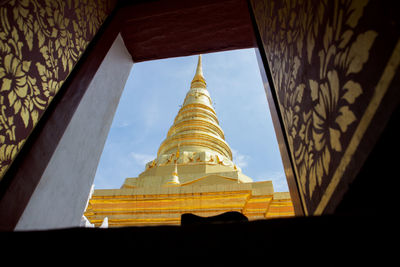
(193, 173)
(196, 127)
(164, 205)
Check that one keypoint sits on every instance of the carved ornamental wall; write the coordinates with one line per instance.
(332, 64)
(40, 43)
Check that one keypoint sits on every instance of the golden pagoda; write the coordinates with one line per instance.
(193, 173)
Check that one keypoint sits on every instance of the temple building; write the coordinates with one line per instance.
(194, 172)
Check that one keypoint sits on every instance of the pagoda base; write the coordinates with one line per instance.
(165, 205)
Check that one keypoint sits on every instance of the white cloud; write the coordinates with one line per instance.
(141, 158)
(240, 159)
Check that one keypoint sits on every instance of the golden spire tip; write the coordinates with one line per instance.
(199, 70)
(199, 77)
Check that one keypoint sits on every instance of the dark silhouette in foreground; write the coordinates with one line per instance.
(227, 217)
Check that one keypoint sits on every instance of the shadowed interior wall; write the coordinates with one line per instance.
(175, 28)
(69, 175)
(332, 65)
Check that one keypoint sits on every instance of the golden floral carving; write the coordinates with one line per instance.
(20, 88)
(315, 50)
(40, 42)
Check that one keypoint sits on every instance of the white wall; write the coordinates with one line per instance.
(60, 198)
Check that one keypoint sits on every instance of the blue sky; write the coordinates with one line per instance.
(151, 100)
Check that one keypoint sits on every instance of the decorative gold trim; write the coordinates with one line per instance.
(169, 144)
(197, 106)
(196, 122)
(201, 178)
(188, 114)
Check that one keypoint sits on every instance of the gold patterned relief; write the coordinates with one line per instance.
(317, 51)
(40, 42)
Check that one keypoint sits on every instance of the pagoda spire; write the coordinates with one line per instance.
(196, 127)
(198, 80)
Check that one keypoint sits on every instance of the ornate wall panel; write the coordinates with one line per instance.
(40, 42)
(332, 64)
